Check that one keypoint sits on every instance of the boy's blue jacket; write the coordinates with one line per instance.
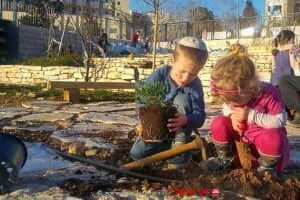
(193, 92)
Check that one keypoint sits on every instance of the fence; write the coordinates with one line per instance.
(123, 28)
(251, 27)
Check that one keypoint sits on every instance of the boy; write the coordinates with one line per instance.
(184, 89)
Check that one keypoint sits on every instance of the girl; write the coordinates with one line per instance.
(283, 59)
(253, 113)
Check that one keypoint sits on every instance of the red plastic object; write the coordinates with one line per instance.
(203, 192)
(209, 192)
(184, 191)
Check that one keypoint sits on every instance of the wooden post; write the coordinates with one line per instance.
(156, 8)
(14, 11)
(1, 8)
(166, 32)
(72, 95)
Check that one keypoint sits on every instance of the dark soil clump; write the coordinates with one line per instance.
(83, 189)
(154, 119)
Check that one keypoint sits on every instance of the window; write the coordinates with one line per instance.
(274, 10)
(297, 7)
(113, 30)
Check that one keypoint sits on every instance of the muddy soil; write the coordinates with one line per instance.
(154, 119)
(244, 182)
(84, 189)
(248, 183)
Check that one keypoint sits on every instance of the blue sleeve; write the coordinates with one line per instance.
(197, 117)
(157, 75)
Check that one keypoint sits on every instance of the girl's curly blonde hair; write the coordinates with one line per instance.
(235, 73)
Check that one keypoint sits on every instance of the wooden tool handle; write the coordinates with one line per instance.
(163, 155)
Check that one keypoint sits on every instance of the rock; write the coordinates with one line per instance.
(93, 128)
(43, 117)
(12, 113)
(108, 118)
(31, 94)
(123, 180)
(66, 138)
(18, 94)
(76, 148)
(91, 152)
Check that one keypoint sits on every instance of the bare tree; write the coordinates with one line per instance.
(86, 30)
(155, 5)
(230, 16)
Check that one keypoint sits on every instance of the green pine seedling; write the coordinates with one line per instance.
(153, 93)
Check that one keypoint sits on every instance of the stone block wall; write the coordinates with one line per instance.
(119, 69)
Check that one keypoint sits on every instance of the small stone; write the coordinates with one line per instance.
(41, 99)
(76, 148)
(122, 180)
(78, 172)
(115, 141)
(18, 94)
(91, 152)
(31, 94)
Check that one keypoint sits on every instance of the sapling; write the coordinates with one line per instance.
(154, 111)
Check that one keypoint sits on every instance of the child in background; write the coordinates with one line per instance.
(253, 113)
(282, 57)
(184, 89)
(135, 39)
(289, 84)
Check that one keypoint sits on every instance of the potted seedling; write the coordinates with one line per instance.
(154, 111)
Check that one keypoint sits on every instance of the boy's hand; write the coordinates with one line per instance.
(177, 123)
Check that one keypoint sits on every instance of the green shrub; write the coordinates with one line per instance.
(106, 95)
(49, 93)
(67, 60)
(11, 90)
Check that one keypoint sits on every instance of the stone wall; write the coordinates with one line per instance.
(118, 69)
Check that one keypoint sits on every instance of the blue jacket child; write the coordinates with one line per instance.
(184, 89)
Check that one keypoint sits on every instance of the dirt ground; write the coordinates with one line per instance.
(195, 181)
(188, 181)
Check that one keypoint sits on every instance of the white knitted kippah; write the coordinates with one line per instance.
(193, 42)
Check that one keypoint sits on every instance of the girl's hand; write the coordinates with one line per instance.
(237, 125)
(175, 124)
(293, 59)
(241, 113)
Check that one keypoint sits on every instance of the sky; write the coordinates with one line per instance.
(217, 6)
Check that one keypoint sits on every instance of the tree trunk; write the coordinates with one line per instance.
(156, 7)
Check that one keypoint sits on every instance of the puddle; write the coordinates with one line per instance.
(41, 159)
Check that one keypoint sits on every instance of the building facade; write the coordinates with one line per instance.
(282, 8)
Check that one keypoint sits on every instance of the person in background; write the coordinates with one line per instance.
(146, 45)
(284, 43)
(285, 67)
(103, 42)
(289, 87)
(135, 39)
(69, 50)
